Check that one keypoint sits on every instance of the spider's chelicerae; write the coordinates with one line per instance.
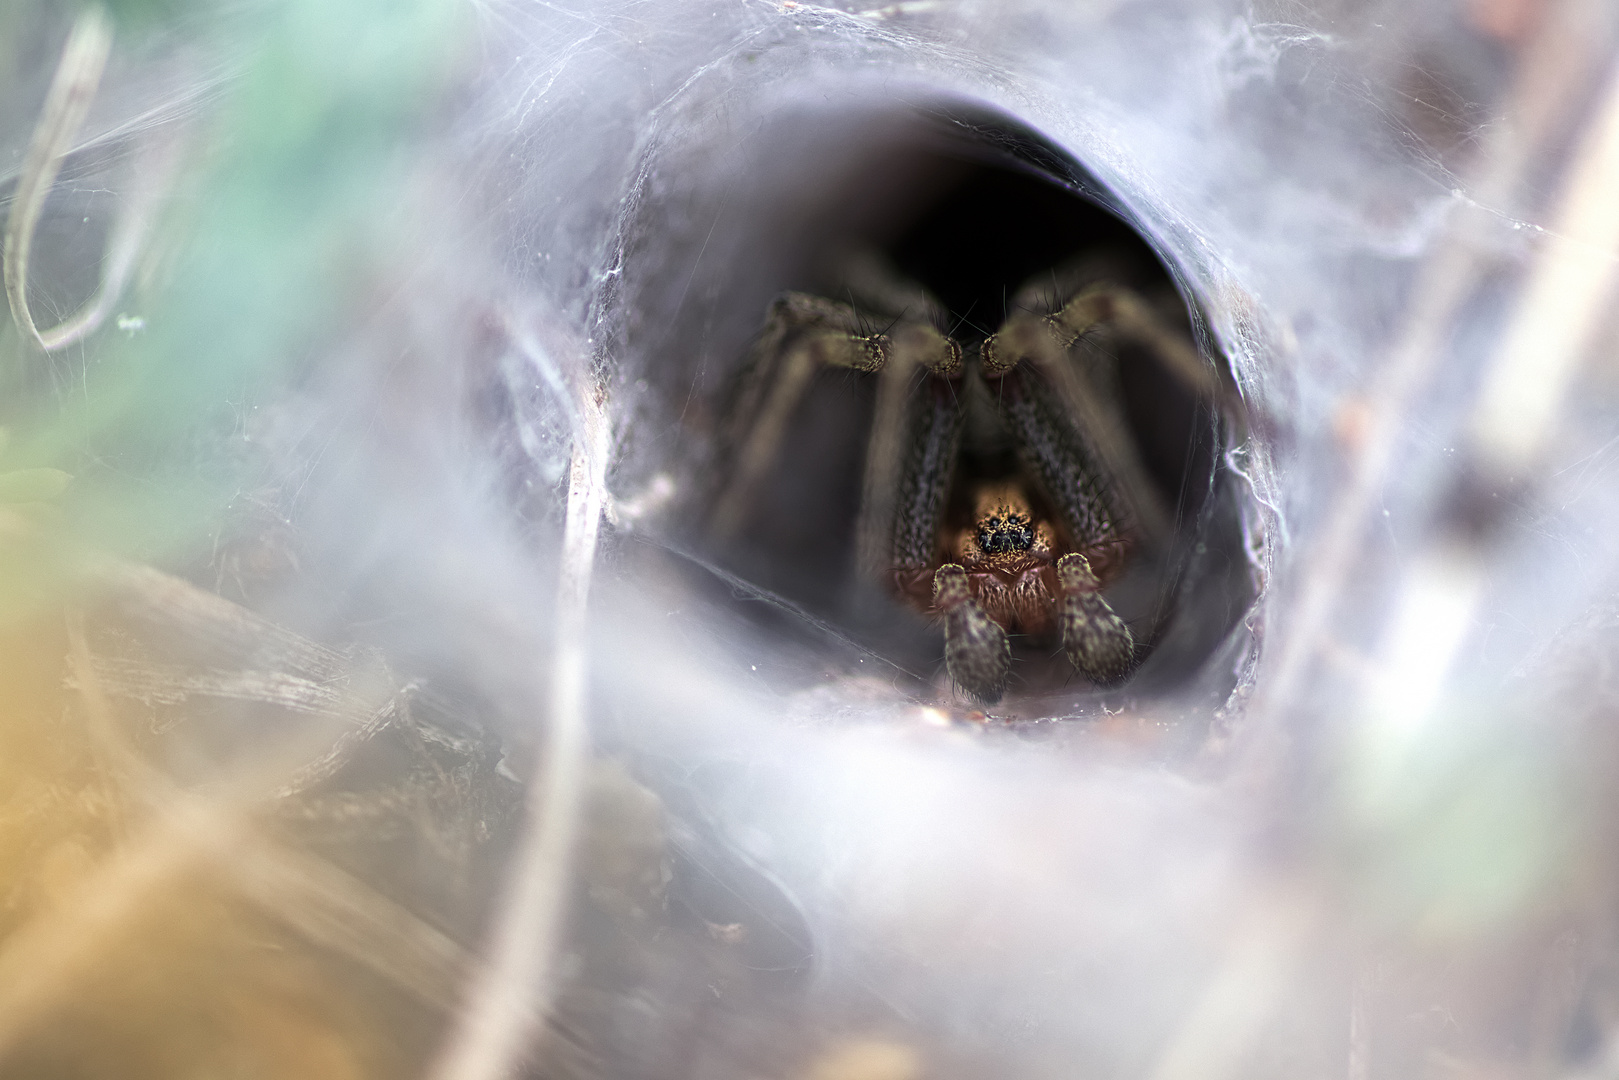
(1002, 494)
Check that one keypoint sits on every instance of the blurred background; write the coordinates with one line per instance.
(377, 700)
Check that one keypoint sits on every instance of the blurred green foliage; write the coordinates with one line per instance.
(280, 222)
(1460, 825)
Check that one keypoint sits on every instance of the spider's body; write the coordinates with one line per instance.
(1010, 558)
(1000, 496)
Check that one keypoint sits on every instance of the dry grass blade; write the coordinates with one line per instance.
(42, 965)
(325, 905)
(43, 962)
(512, 991)
(159, 599)
(182, 837)
(333, 910)
(77, 76)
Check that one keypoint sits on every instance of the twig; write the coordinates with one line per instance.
(1545, 93)
(1559, 309)
(512, 992)
(1556, 315)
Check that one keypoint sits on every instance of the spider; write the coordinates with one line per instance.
(1001, 495)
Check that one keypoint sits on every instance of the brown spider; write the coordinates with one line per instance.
(1004, 496)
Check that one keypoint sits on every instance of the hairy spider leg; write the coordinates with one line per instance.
(913, 345)
(1069, 469)
(977, 653)
(917, 321)
(802, 334)
(934, 433)
(1096, 641)
(1135, 318)
(1046, 342)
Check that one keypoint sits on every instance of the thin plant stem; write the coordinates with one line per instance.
(78, 74)
(512, 992)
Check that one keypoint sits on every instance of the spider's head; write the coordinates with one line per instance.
(1005, 523)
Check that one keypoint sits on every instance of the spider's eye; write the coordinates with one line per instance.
(1000, 535)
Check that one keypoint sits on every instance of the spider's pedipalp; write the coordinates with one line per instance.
(1096, 641)
(977, 654)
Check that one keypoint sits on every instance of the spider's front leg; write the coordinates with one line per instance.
(1047, 341)
(1096, 641)
(802, 334)
(977, 654)
(1122, 310)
